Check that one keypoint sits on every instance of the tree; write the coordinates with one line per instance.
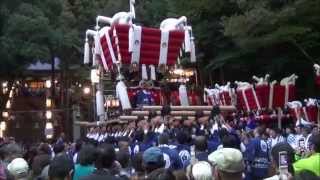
(276, 37)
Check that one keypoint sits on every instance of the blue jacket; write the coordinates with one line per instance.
(257, 155)
(143, 98)
(171, 158)
(137, 147)
(184, 154)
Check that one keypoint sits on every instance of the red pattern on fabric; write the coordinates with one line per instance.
(193, 98)
(317, 81)
(174, 98)
(249, 94)
(156, 95)
(279, 95)
(225, 98)
(105, 51)
(150, 45)
(262, 92)
(312, 112)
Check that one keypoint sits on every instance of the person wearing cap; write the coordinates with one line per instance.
(311, 163)
(153, 159)
(201, 170)
(19, 168)
(228, 164)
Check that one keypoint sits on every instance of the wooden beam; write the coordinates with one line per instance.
(190, 108)
(132, 118)
(172, 113)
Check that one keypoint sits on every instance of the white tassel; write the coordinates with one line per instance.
(97, 43)
(144, 73)
(187, 39)
(86, 57)
(152, 72)
(204, 97)
(122, 94)
(193, 52)
(94, 60)
(131, 34)
(100, 103)
(183, 95)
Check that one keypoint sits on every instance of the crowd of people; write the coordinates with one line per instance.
(165, 148)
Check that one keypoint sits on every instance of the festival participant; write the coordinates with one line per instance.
(275, 137)
(59, 149)
(161, 174)
(306, 175)
(102, 133)
(302, 140)
(153, 159)
(77, 148)
(171, 156)
(257, 156)
(123, 157)
(137, 172)
(143, 96)
(311, 163)
(41, 160)
(201, 170)
(85, 165)
(274, 168)
(19, 168)
(231, 141)
(139, 142)
(104, 162)
(60, 168)
(201, 146)
(183, 148)
(298, 135)
(11, 151)
(251, 122)
(228, 164)
(291, 137)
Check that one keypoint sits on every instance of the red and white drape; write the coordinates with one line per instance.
(141, 45)
(247, 99)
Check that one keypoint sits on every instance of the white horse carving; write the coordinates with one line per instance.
(289, 80)
(242, 85)
(261, 80)
(173, 23)
(317, 69)
(120, 17)
(294, 104)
